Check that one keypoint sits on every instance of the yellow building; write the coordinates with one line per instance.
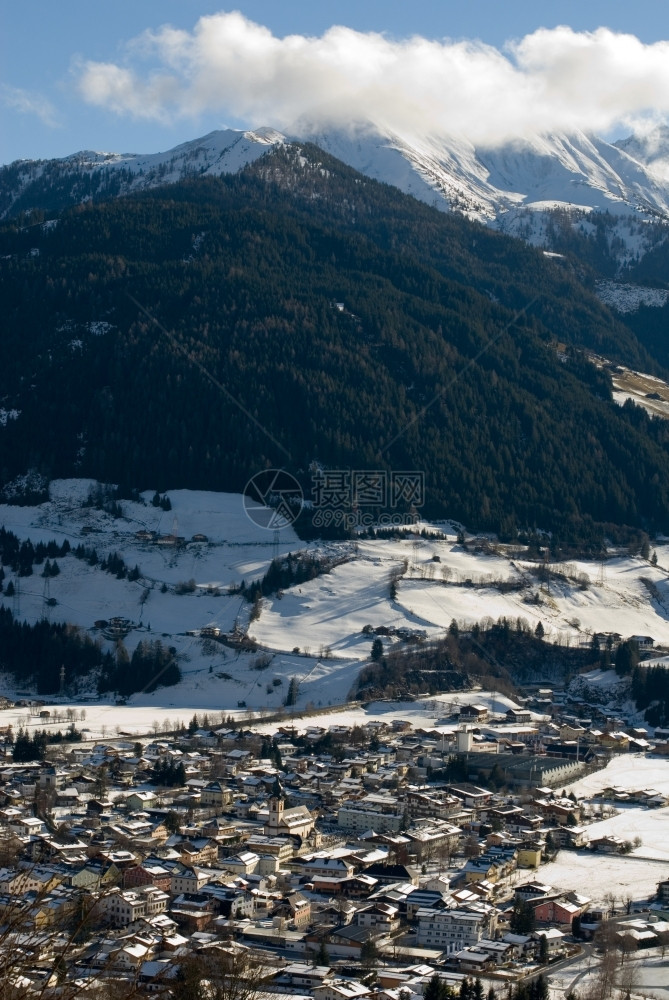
(529, 857)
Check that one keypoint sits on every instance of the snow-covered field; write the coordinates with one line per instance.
(312, 631)
(637, 873)
(596, 876)
(647, 973)
(629, 772)
(170, 706)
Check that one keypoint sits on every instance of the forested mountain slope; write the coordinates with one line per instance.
(445, 357)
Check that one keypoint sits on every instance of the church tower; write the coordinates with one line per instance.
(276, 807)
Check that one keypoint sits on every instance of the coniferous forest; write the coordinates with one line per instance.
(37, 653)
(306, 314)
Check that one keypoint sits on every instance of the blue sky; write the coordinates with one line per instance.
(73, 74)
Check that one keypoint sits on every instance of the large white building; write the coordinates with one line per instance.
(453, 930)
(374, 811)
(121, 907)
(357, 819)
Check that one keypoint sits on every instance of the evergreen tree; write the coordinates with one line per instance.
(433, 988)
(543, 949)
(293, 691)
(377, 649)
(627, 657)
(522, 917)
(369, 954)
(466, 989)
(540, 988)
(322, 955)
(172, 822)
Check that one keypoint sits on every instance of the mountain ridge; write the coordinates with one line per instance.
(516, 187)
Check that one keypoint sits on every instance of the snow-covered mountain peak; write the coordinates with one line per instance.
(651, 149)
(29, 184)
(513, 187)
(576, 170)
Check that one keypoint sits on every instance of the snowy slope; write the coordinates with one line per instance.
(651, 150)
(495, 186)
(221, 152)
(626, 874)
(575, 170)
(313, 631)
(517, 187)
(542, 171)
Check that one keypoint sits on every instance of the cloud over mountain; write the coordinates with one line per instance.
(551, 80)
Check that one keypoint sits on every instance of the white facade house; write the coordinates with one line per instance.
(453, 930)
(121, 907)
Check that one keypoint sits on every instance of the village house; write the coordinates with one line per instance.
(554, 939)
(560, 912)
(215, 795)
(190, 879)
(453, 930)
(473, 713)
(120, 907)
(327, 867)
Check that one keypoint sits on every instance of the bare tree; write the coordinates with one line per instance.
(663, 938)
(472, 847)
(627, 946)
(603, 984)
(24, 943)
(224, 972)
(444, 854)
(628, 981)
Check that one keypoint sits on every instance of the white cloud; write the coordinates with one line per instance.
(29, 103)
(550, 80)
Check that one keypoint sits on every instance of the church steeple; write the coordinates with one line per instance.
(277, 789)
(276, 807)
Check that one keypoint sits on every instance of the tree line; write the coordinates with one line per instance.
(495, 654)
(37, 653)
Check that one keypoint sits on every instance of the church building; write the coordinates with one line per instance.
(282, 822)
